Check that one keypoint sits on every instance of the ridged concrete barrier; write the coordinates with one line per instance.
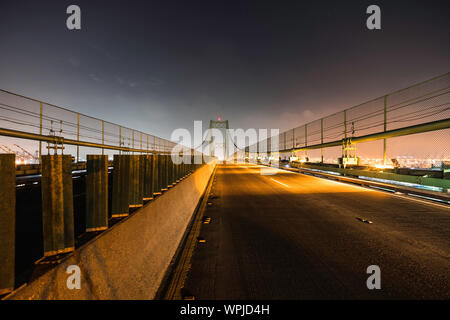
(129, 260)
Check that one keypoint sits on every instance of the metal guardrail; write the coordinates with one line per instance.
(102, 197)
(62, 141)
(394, 188)
(353, 178)
(423, 180)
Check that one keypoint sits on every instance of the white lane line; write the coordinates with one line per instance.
(368, 188)
(280, 182)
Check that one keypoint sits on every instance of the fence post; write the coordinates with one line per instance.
(78, 137)
(103, 136)
(120, 195)
(155, 174)
(165, 173)
(40, 130)
(293, 139)
(345, 124)
(135, 191)
(162, 168)
(96, 193)
(148, 176)
(160, 172)
(306, 140)
(345, 131)
(7, 221)
(120, 139)
(57, 204)
(321, 138)
(171, 172)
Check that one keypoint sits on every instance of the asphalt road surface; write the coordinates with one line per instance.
(293, 236)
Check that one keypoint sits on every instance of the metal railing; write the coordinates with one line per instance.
(31, 119)
(427, 102)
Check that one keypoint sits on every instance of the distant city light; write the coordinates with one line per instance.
(384, 166)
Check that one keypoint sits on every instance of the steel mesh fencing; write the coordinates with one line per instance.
(424, 102)
(27, 115)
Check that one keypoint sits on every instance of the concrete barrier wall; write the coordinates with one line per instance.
(129, 260)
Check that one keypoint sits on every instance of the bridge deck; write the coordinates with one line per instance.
(292, 236)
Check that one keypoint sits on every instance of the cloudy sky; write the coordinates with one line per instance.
(159, 65)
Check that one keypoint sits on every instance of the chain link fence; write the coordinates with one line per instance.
(28, 115)
(421, 103)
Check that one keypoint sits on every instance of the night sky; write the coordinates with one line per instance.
(159, 65)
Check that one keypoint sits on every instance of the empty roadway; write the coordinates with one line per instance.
(294, 236)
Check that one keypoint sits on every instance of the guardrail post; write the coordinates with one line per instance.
(136, 190)
(188, 166)
(160, 173)
(57, 204)
(96, 193)
(7, 221)
(155, 174)
(182, 168)
(177, 172)
(121, 185)
(148, 177)
(170, 180)
(169, 172)
(165, 172)
(174, 171)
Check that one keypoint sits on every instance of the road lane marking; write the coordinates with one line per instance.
(280, 182)
(409, 197)
(404, 196)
